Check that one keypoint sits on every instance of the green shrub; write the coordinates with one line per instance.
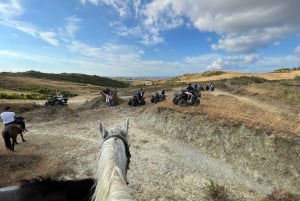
(31, 96)
(212, 73)
(283, 70)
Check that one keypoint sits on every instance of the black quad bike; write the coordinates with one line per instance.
(183, 99)
(158, 97)
(135, 101)
(56, 101)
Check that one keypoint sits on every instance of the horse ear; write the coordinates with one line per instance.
(127, 125)
(103, 131)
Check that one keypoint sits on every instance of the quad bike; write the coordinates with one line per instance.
(183, 99)
(158, 97)
(135, 101)
(56, 101)
(178, 96)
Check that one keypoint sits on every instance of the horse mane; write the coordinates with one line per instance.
(110, 179)
(127, 151)
(40, 180)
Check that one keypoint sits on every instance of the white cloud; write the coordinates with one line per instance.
(71, 26)
(232, 62)
(253, 40)
(246, 25)
(216, 65)
(151, 19)
(95, 2)
(159, 16)
(108, 51)
(50, 37)
(243, 26)
(84, 49)
(297, 51)
(141, 51)
(10, 10)
(136, 7)
(119, 5)
(22, 55)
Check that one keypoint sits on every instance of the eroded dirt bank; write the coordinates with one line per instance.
(261, 160)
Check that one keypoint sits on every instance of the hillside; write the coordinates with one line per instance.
(244, 136)
(40, 86)
(70, 77)
(218, 75)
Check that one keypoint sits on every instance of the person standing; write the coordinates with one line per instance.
(111, 99)
(8, 117)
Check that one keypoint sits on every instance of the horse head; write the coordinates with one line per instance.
(20, 120)
(113, 164)
(123, 132)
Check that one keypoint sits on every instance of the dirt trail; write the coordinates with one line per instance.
(256, 103)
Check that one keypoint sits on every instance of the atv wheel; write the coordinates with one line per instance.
(175, 100)
(197, 102)
(182, 102)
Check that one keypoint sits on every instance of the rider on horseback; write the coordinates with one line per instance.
(8, 117)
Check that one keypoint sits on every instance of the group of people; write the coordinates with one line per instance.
(199, 87)
(160, 94)
(109, 97)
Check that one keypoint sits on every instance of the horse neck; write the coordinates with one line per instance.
(111, 173)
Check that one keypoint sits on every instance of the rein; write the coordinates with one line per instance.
(128, 155)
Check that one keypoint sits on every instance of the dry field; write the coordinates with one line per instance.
(65, 141)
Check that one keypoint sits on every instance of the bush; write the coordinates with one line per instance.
(30, 96)
(217, 192)
(297, 78)
(283, 70)
(281, 195)
(212, 73)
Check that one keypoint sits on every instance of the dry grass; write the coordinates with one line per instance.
(217, 192)
(227, 75)
(60, 85)
(281, 195)
(234, 109)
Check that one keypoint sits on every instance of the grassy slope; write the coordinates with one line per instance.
(37, 85)
(72, 77)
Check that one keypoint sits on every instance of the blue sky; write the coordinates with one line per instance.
(148, 38)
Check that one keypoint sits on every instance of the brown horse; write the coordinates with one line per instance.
(10, 133)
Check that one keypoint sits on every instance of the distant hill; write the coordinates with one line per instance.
(72, 77)
(280, 74)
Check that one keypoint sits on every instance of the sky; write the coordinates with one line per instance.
(148, 38)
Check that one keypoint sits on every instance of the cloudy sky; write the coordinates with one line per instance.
(148, 37)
